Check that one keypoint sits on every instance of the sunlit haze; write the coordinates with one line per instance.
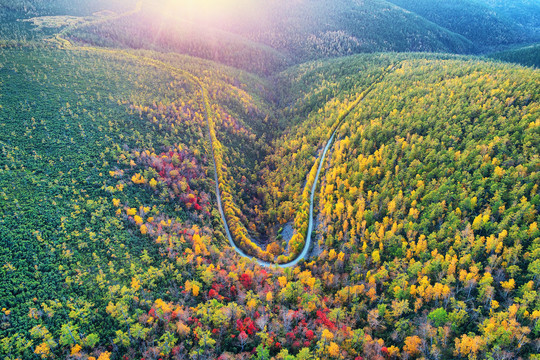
(217, 12)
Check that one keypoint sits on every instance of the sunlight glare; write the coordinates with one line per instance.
(216, 12)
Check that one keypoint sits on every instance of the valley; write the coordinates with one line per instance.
(200, 186)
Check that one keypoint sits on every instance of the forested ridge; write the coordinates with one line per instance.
(484, 22)
(426, 240)
(274, 35)
(527, 55)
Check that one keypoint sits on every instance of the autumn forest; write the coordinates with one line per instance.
(287, 180)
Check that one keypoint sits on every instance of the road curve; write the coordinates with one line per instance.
(322, 159)
(241, 252)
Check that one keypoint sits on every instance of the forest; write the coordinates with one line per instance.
(486, 23)
(275, 36)
(526, 56)
(157, 189)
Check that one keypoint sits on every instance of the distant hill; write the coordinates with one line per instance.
(486, 23)
(522, 12)
(528, 55)
(265, 37)
(342, 27)
(145, 31)
(29, 8)
(12, 11)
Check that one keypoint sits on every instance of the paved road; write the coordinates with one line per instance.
(322, 159)
(307, 244)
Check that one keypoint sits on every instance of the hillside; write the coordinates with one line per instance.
(266, 37)
(526, 56)
(487, 24)
(29, 8)
(15, 15)
(86, 159)
(523, 12)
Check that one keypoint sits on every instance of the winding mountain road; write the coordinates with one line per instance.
(322, 158)
(65, 43)
(310, 225)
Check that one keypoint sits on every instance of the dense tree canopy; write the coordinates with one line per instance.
(112, 245)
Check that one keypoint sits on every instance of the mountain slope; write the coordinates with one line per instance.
(484, 25)
(523, 12)
(29, 8)
(93, 142)
(266, 37)
(431, 173)
(527, 56)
